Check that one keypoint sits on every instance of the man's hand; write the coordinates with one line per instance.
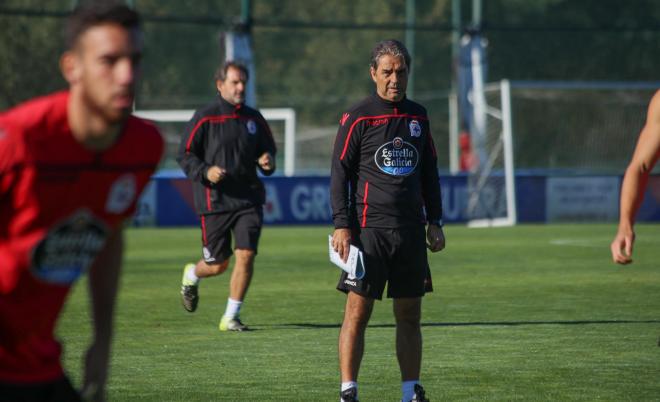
(622, 247)
(341, 242)
(435, 238)
(96, 373)
(266, 161)
(215, 174)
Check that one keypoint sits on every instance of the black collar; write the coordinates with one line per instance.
(226, 106)
(388, 104)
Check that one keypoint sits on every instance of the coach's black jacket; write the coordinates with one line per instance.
(384, 167)
(231, 137)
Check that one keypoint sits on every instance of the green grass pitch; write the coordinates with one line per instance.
(529, 313)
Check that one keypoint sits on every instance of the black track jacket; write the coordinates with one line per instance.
(231, 137)
(384, 167)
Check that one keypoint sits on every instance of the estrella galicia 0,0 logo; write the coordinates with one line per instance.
(69, 249)
(397, 158)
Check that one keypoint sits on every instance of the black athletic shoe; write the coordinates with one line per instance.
(420, 395)
(349, 395)
(189, 297)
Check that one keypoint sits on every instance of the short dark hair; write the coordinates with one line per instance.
(95, 13)
(221, 72)
(392, 47)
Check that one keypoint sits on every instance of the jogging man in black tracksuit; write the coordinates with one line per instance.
(220, 150)
(384, 189)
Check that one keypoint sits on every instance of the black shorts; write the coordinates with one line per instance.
(217, 232)
(55, 391)
(395, 256)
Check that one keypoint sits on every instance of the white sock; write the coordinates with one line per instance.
(408, 390)
(190, 274)
(348, 384)
(233, 308)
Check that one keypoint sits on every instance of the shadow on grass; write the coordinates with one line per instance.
(466, 324)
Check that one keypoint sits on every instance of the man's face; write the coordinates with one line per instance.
(232, 89)
(106, 66)
(391, 77)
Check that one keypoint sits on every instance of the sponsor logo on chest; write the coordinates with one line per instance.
(68, 249)
(397, 158)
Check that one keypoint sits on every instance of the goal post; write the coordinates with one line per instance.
(491, 184)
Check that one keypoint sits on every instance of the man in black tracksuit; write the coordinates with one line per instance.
(220, 150)
(384, 190)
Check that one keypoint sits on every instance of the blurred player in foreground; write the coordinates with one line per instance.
(635, 180)
(384, 187)
(72, 166)
(221, 149)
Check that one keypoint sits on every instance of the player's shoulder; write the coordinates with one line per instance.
(22, 126)
(144, 135)
(654, 103)
(145, 130)
(363, 107)
(206, 111)
(357, 110)
(36, 115)
(250, 111)
(653, 111)
(415, 108)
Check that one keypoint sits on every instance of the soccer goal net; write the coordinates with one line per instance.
(571, 128)
(491, 182)
(550, 128)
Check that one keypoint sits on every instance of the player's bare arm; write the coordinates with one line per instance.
(103, 286)
(435, 238)
(215, 174)
(634, 183)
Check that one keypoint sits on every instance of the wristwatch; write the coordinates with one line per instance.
(437, 222)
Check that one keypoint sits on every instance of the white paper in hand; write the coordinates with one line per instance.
(354, 265)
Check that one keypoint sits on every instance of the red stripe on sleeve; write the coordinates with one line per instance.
(348, 137)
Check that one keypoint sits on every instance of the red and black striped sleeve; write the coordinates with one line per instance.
(431, 181)
(266, 142)
(191, 149)
(345, 160)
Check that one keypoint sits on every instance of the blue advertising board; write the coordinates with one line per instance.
(305, 200)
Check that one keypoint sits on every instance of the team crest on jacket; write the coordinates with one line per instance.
(69, 249)
(415, 128)
(251, 127)
(122, 194)
(397, 158)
